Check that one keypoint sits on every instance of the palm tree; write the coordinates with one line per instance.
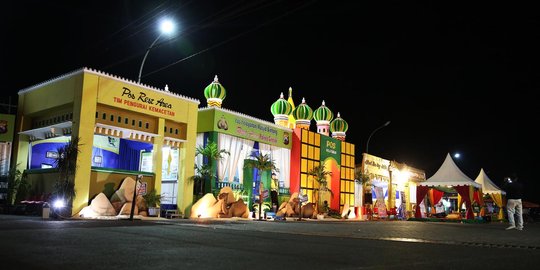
(205, 171)
(363, 179)
(18, 186)
(66, 164)
(319, 173)
(261, 163)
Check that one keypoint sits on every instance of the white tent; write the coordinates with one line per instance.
(487, 185)
(449, 175)
(493, 190)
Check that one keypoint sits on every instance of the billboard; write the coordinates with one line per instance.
(243, 126)
(7, 126)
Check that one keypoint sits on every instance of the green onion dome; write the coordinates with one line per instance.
(215, 93)
(323, 113)
(303, 111)
(339, 125)
(281, 107)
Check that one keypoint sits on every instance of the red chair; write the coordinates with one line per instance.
(375, 214)
(392, 213)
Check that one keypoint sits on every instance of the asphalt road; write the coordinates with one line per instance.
(33, 243)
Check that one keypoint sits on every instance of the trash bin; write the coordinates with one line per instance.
(45, 211)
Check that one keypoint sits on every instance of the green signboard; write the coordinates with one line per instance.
(7, 127)
(330, 147)
(244, 127)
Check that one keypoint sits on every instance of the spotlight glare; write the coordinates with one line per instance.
(59, 203)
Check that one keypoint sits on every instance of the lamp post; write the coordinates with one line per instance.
(166, 27)
(373, 132)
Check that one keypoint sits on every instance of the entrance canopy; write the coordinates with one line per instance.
(449, 175)
(493, 190)
(487, 185)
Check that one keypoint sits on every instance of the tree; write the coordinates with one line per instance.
(66, 164)
(320, 173)
(205, 171)
(261, 163)
(18, 187)
(364, 179)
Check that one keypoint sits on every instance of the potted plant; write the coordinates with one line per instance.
(262, 163)
(265, 206)
(205, 173)
(153, 200)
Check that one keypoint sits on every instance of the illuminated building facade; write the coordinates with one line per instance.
(243, 137)
(125, 129)
(391, 184)
(311, 149)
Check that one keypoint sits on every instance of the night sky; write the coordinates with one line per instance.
(450, 77)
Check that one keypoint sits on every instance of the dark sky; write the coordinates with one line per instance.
(450, 77)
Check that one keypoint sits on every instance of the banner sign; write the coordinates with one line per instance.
(134, 98)
(7, 127)
(376, 165)
(243, 127)
(330, 147)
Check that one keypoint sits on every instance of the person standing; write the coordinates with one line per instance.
(514, 207)
(274, 192)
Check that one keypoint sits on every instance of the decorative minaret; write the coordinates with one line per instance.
(303, 115)
(323, 116)
(292, 121)
(281, 109)
(215, 93)
(338, 128)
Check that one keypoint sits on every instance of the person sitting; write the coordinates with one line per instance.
(439, 210)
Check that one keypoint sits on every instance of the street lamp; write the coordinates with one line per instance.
(373, 132)
(166, 27)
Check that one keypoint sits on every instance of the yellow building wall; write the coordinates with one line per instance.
(187, 157)
(84, 110)
(54, 97)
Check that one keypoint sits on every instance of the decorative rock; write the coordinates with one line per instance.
(125, 192)
(101, 206)
(126, 209)
(230, 197)
(206, 207)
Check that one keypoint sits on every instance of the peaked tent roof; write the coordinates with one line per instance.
(449, 175)
(487, 185)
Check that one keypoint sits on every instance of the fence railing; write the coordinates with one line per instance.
(238, 186)
(233, 186)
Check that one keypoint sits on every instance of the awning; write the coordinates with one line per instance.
(51, 131)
